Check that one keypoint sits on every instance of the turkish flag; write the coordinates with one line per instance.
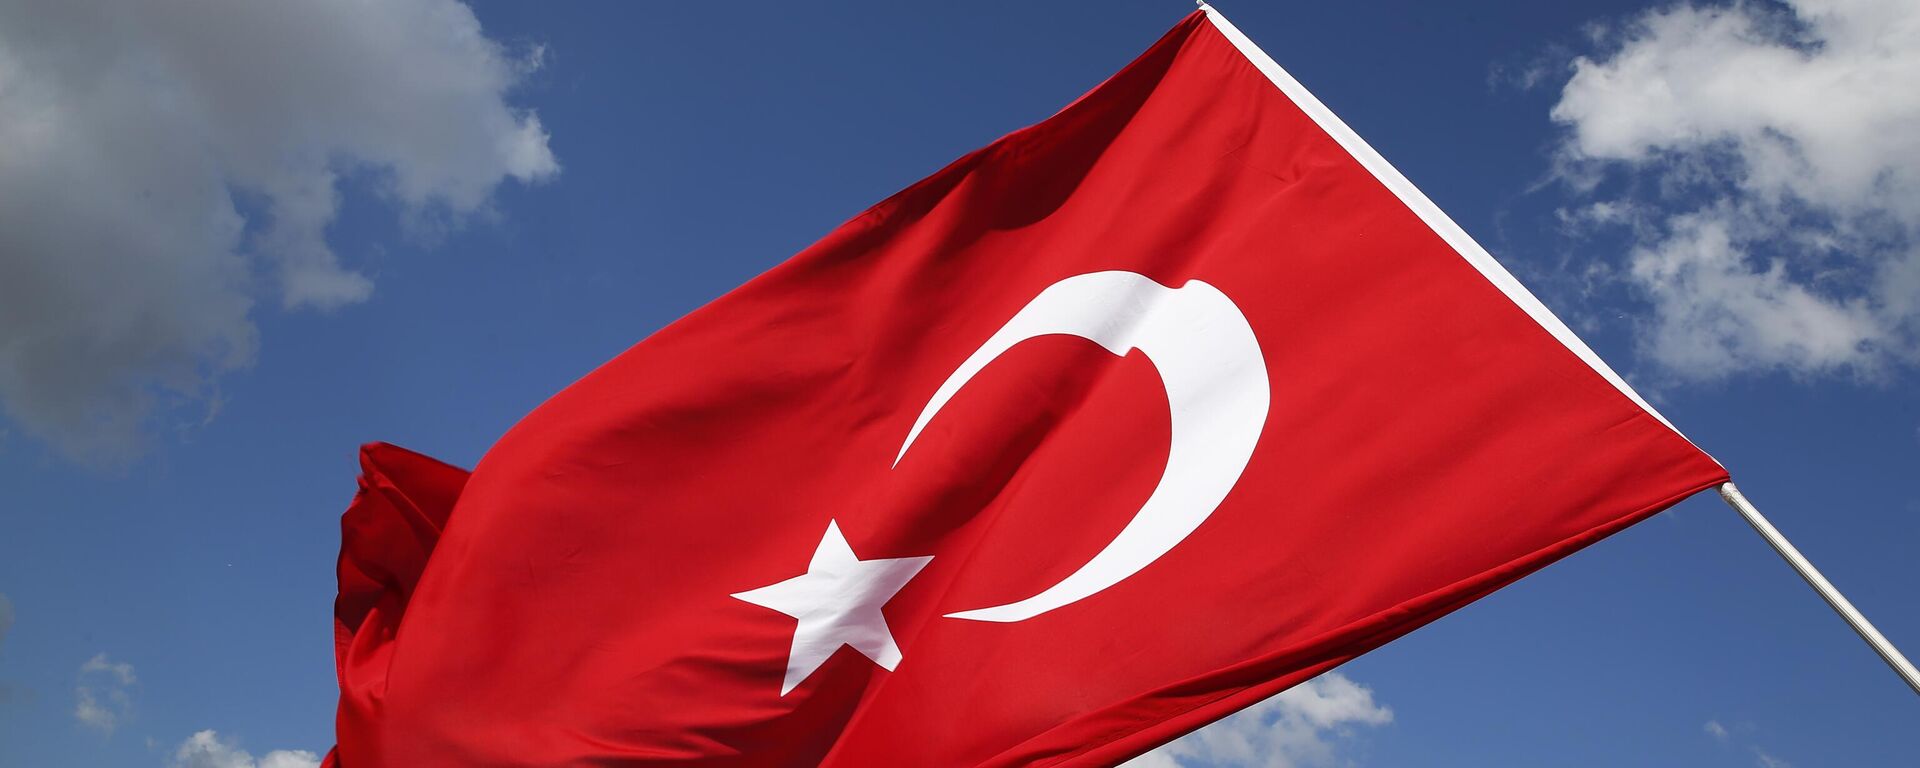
(1130, 419)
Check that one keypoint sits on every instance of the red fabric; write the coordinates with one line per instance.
(1427, 443)
(386, 536)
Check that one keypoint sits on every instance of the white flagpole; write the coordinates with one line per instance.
(1839, 602)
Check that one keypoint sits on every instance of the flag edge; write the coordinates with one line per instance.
(1430, 213)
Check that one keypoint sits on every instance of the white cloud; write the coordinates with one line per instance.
(1295, 729)
(103, 695)
(1741, 734)
(207, 750)
(163, 166)
(1766, 161)
(117, 672)
(1765, 760)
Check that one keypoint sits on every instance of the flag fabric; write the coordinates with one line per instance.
(1129, 420)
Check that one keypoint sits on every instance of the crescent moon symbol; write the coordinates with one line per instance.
(1216, 382)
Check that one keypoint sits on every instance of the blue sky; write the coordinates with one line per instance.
(1717, 202)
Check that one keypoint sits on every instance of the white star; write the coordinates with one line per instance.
(838, 603)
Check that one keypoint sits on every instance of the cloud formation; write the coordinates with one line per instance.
(163, 166)
(207, 750)
(1765, 760)
(1765, 161)
(1299, 728)
(103, 695)
(1741, 734)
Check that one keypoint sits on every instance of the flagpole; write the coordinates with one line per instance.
(1837, 601)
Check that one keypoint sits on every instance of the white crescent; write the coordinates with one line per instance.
(1217, 391)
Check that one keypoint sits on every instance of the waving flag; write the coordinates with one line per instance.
(1126, 421)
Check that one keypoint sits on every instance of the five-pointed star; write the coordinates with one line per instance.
(838, 603)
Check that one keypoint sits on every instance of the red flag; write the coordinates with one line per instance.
(1129, 420)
